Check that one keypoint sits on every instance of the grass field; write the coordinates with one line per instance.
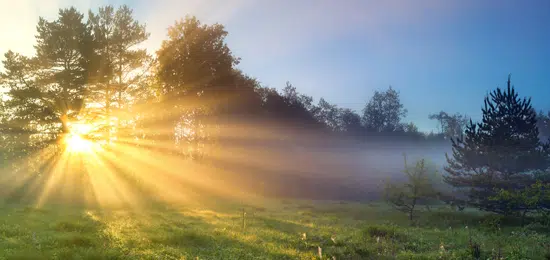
(282, 229)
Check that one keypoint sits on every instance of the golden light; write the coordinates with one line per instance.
(130, 172)
(75, 141)
(80, 128)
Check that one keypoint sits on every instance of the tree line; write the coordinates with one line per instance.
(183, 98)
(93, 71)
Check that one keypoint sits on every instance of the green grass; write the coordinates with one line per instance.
(275, 230)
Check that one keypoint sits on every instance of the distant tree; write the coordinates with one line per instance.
(289, 108)
(350, 122)
(418, 186)
(452, 126)
(411, 131)
(499, 153)
(543, 123)
(432, 136)
(411, 128)
(383, 113)
(294, 98)
(244, 99)
(328, 114)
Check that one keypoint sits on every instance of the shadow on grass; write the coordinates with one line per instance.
(447, 218)
(282, 225)
(116, 234)
(32, 233)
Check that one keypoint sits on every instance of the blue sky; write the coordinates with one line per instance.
(441, 55)
(441, 59)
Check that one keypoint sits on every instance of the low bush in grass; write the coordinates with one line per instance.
(385, 232)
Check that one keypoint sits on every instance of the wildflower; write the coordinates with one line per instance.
(304, 236)
(466, 227)
(377, 239)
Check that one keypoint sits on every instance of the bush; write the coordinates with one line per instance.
(418, 187)
(385, 232)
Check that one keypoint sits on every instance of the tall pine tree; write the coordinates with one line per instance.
(46, 92)
(119, 65)
(500, 153)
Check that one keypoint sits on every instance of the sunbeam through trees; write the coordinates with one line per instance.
(195, 153)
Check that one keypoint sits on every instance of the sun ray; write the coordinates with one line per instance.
(54, 175)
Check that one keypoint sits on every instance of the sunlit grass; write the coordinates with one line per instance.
(135, 199)
(277, 231)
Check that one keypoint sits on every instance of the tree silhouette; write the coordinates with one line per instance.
(498, 153)
(452, 126)
(350, 122)
(47, 91)
(383, 113)
(329, 115)
(117, 64)
(543, 123)
(189, 95)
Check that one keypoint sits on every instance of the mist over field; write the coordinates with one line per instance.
(319, 170)
(311, 129)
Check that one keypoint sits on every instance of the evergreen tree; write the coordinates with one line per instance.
(46, 92)
(543, 121)
(499, 153)
(62, 64)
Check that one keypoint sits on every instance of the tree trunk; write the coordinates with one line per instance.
(523, 217)
(108, 113)
(412, 208)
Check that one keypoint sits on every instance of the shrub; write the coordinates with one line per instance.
(385, 232)
(419, 186)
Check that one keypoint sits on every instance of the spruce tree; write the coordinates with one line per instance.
(500, 153)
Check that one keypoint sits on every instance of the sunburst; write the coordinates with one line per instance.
(75, 139)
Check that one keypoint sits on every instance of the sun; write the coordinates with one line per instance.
(75, 141)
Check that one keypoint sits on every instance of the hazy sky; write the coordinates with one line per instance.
(441, 55)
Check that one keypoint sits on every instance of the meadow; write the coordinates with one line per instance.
(270, 229)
